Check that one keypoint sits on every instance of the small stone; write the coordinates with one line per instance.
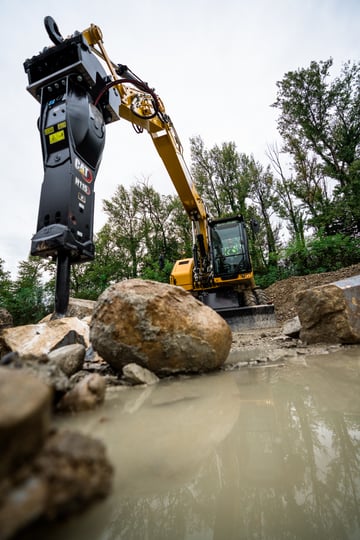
(292, 327)
(139, 375)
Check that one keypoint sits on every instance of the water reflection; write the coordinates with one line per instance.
(268, 453)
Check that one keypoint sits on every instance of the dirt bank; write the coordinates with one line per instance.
(269, 345)
(282, 293)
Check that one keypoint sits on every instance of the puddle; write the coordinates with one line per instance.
(249, 454)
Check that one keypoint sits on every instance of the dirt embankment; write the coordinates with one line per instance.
(283, 293)
(270, 344)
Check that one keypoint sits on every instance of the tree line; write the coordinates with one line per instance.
(305, 200)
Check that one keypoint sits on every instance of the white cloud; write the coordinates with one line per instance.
(214, 64)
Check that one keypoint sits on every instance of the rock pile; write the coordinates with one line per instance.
(44, 474)
(139, 330)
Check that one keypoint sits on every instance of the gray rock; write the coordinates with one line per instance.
(76, 470)
(292, 328)
(70, 358)
(139, 375)
(158, 326)
(330, 313)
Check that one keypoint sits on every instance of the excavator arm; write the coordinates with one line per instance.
(144, 109)
(78, 98)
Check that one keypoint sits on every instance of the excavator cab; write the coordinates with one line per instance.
(229, 248)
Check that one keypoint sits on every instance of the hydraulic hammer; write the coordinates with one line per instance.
(67, 79)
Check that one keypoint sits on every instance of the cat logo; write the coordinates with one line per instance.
(83, 170)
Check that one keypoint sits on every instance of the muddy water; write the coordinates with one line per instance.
(258, 453)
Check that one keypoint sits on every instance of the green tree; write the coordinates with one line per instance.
(126, 229)
(287, 206)
(29, 301)
(220, 176)
(261, 193)
(5, 286)
(144, 235)
(320, 125)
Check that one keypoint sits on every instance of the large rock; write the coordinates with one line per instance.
(37, 340)
(330, 313)
(25, 405)
(158, 326)
(69, 473)
(44, 473)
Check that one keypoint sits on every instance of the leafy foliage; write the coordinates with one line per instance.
(309, 191)
(322, 254)
(320, 124)
(26, 298)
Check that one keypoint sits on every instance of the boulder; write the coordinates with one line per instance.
(330, 313)
(160, 327)
(37, 340)
(25, 404)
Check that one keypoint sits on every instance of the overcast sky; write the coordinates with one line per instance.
(215, 65)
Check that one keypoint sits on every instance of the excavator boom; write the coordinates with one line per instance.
(78, 98)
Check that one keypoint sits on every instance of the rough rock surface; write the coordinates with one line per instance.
(330, 313)
(139, 375)
(158, 326)
(70, 358)
(70, 472)
(25, 405)
(85, 395)
(36, 340)
(80, 308)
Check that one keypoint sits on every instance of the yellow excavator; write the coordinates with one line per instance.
(78, 97)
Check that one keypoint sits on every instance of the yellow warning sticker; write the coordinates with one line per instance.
(61, 125)
(56, 137)
(49, 130)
